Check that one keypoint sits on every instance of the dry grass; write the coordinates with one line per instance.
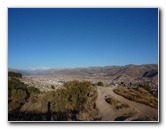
(116, 104)
(138, 94)
(17, 99)
(128, 111)
(121, 108)
(72, 99)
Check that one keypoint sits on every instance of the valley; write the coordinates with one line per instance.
(112, 93)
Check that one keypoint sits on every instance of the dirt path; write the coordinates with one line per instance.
(107, 113)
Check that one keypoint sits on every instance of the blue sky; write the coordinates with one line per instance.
(81, 37)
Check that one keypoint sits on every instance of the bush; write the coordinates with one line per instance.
(13, 84)
(115, 103)
(145, 86)
(72, 99)
(13, 74)
(52, 86)
(33, 90)
(138, 94)
(100, 84)
(18, 98)
(17, 94)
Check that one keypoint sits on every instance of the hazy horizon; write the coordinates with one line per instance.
(47, 68)
(81, 37)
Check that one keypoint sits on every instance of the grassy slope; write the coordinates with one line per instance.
(72, 102)
(139, 95)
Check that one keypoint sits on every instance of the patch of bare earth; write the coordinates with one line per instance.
(134, 111)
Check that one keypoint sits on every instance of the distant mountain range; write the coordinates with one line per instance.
(127, 72)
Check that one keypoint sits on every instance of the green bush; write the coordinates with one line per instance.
(13, 74)
(33, 90)
(13, 84)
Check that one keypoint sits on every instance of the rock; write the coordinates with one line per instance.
(90, 94)
(108, 98)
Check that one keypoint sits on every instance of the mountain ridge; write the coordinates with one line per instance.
(43, 69)
(145, 72)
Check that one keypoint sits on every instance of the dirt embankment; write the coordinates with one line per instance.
(139, 111)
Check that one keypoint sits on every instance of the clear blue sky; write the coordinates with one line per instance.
(81, 37)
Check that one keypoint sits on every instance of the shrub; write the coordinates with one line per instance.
(52, 86)
(115, 103)
(17, 94)
(13, 84)
(138, 94)
(100, 84)
(13, 74)
(18, 98)
(145, 86)
(72, 99)
(33, 90)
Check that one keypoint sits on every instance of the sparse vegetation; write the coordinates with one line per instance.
(18, 92)
(122, 109)
(72, 102)
(74, 98)
(138, 94)
(13, 84)
(116, 104)
(33, 90)
(13, 74)
(145, 86)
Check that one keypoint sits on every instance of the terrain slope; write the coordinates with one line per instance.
(107, 113)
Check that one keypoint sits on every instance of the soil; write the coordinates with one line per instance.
(108, 113)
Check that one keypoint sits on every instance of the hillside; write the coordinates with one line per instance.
(148, 72)
(78, 100)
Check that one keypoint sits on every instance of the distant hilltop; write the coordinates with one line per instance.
(117, 72)
(128, 73)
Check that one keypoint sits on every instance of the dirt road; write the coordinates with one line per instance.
(107, 113)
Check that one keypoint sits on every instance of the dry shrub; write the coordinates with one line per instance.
(116, 104)
(138, 94)
(127, 111)
(18, 97)
(121, 108)
(72, 99)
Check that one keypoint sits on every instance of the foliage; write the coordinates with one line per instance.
(33, 90)
(116, 104)
(138, 94)
(14, 84)
(13, 74)
(18, 98)
(72, 99)
(52, 87)
(71, 102)
(145, 86)
(100, 83)
(17, 94)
